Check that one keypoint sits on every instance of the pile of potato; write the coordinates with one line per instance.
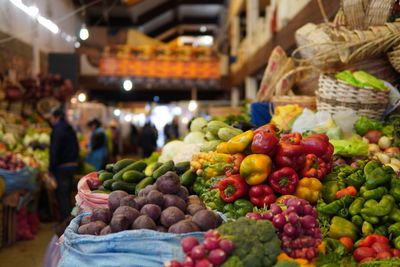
(164, 206)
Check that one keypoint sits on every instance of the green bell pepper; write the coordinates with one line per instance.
(356, 206)
(362, 190)
(394, 229)
(370, 219)
(344, 213)
(341, 227)
(396, 242)
(383, 208)
(376, 193)
(329, 190)
(357, 220)
(395, 188)
(356, 179)
(242, 207)
(381, 230)
(199, 186)
(376, 175)
(367, 228)
(331, 208)
(394, 215)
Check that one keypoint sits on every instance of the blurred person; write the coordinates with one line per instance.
(134, 133)
(171, 130)
(148, 139)
(114, 139)
(98, 154)
(64, 153)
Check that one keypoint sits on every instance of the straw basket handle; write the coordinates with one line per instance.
(322, 9)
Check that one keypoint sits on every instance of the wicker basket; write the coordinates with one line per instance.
(301, 100)
(394, 58)
(334, 96)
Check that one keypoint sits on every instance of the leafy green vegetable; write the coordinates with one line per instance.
(287, 263)
(382, 263)
(350, 147)
(337, 254)
(347, 77)
(363, 125)
(369, 81)
(388, 130)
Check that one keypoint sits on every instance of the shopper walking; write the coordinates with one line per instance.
(148, 139)
(171, 130)
(97, 156)
(64, 152)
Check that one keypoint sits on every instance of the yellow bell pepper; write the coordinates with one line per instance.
(281, 198)
(309, 189)
(301, 262)
(240, 142)
(255, 168)
(222, 147)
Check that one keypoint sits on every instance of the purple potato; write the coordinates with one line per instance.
(85, 220)
(185, 226)
(151, 210)
(146, 190)
(119, 223)
(141, 201)
(168, 183)
(206, 220)
(144, 222)
(193, 208)
(174, 201)
(101, 214)
(161, 228)
(130, 213)
(188, 217)
(114, 198)
(193, 199)
(155, 197)
(171, 215)
(129, 201)
(92, 228)
(183, 193)
(106, 230)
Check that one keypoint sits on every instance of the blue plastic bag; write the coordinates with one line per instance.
(144, 248)
(22, 179)
(260, 113)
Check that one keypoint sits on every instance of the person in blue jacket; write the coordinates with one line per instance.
(97, 156)
(64, 153)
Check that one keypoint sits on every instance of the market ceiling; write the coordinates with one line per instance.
(162, 19)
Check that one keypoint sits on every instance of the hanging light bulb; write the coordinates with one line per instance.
(82, 97)
(84, 33)
(192, 105)
(127, 85)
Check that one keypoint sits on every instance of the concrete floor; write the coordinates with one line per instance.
(28, 253)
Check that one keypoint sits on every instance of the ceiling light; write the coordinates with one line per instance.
(84, 32)
(51, 26)
(203, 28)
(73, 100)
(31, 11)
(185, 120)
(177, 111)
(127, 85)
(192, 105)
(117, 112)
(82, 97)
(128, 117)
(77, 44)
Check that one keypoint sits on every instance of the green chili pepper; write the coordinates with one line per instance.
(362, 190)
(370, 203)
(367, 228)
(376, 193)
(394, 215)
(376, 175)
(229, 208)
(383, 208)
(356, 179)
(381, 230)
(331, 208)
(395, 188)
(356, 206)
(385, 219)
(242, 206)
(344, 213)
(329, 190)
(357, 220)
(394, 229)
(347, 200)
(396, 242)
(370, 219)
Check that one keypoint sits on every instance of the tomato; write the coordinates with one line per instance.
(367, 259)
(348, 242)
(364, 252)
(396, 253)
(380, 247)
(384, 255)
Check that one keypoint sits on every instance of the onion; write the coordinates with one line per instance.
(384, 158)
(365, 140)
(373, 136)
(395, 161)
(373, 148)
(392, 151)
(394, 167)
(384, 142)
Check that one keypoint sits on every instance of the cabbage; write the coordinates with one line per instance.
(194, 138)
(198, 125)
(169, 150)
(186, 152)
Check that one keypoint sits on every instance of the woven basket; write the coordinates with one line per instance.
(394, 58)
(301, 100)
(334, 96)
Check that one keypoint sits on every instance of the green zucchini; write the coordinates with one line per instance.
(136, 166)
(151, 168)
(163, 169)
(122, 164)
(182, 167)
(132, 176)
(124, 186)
(145, 182)
(104, 176)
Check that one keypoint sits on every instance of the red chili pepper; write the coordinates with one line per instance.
(314, 167)
(284, 181)
(315, 144)
(236, 159)
(264, 143)
(372, 238)
(232, 188)
(261, 195)
(350, 190)
(292, 138)
(289, 155)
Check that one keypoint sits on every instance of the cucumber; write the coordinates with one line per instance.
(110, 167)
(136, 166)
(151, 168)
(182, 167)
(104, 176)
(102, 190)
(188, 178)
(166, 167)
(145, 182)
(132, 176)
(108, 183)
(122, 164)
(124, 186)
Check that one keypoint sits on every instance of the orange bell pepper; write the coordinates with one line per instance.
(255, 168)
(309, 189)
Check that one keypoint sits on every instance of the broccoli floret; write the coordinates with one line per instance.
(233, 261)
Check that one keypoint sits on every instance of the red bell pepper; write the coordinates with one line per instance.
(372, 238)
(236, 160)
(261, 195)
(328, 155)
(289, 155)
(315, 144)
(268, 128)
(284, 181)
(264, 143)
(314, 167)
(232, 188)
(292, 138)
